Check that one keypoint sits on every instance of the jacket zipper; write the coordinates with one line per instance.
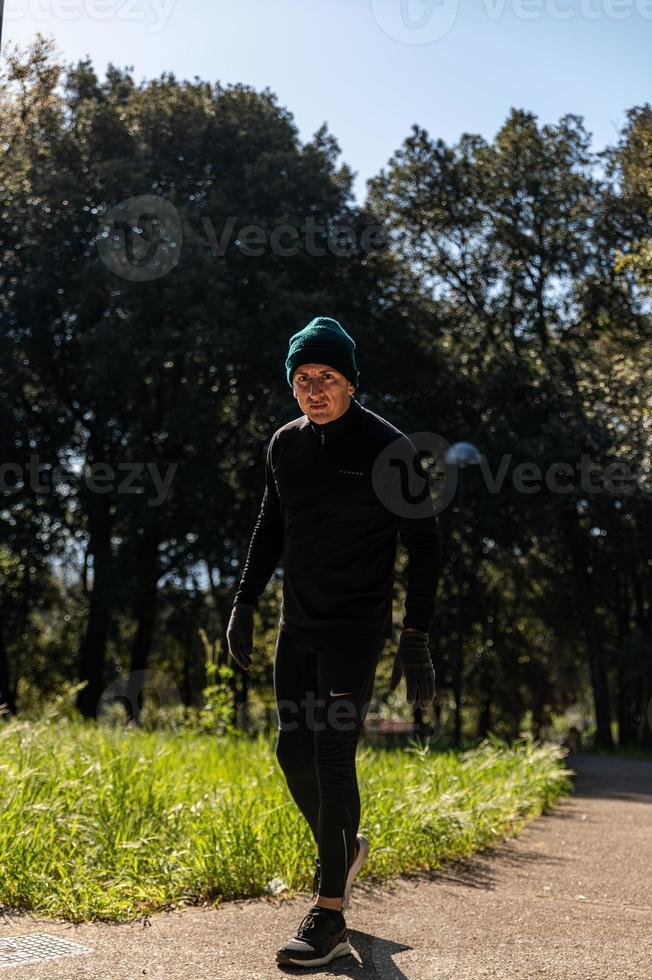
(322, 443)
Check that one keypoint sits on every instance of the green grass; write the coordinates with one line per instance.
(101, 823)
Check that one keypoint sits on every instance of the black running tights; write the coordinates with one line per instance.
(323, 689)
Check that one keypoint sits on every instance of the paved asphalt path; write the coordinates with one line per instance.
(570, 897)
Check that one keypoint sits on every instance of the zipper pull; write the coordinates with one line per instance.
(322, 441)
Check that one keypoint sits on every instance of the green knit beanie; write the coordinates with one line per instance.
(323, 341)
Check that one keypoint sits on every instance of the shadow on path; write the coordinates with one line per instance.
(595, 777)
(610, 777)
(373, 961)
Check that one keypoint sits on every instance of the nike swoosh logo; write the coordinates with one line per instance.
(337, 694)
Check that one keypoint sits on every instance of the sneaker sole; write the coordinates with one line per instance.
(361, 857)
(342, 949)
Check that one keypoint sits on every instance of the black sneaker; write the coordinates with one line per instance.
(321, 937)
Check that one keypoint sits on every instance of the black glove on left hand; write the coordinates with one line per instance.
(413, 659)
(240, 632)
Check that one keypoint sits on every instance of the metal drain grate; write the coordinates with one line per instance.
(35, 948)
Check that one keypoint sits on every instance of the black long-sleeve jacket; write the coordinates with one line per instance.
(322, 512)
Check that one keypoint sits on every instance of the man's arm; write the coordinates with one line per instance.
(422, 539)
(266, 545)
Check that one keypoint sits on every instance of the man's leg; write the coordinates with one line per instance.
(346, 671)
(295, 675)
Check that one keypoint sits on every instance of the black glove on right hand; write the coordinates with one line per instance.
(413, 659)
(240, 633)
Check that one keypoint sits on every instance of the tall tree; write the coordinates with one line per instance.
(503, 236)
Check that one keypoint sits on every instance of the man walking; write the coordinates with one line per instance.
(324, 511)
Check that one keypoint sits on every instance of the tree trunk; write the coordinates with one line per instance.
(591, 628)
(92, 651)
(626, 696)
(644, 669)
(188, 655)
(598, 676)
(7, 694)
(458, 663)
(148, 572)
(239, 683)
(484, 720)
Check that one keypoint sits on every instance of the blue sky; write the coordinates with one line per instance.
(372, 68)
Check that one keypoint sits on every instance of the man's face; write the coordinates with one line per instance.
(322, 392)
